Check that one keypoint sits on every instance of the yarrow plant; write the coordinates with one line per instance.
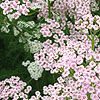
(16, 8)
(13, 88)
(66, 43)
(91, 24)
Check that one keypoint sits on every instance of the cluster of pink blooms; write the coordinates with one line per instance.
(60, 55)
(73, 30)
(58, 11)
(67, 53)
(47, 30)
(62, 8)
(78, 8)
(88, 22)
(14, 88)
(15, 7)
(73, 55)
(86, 82)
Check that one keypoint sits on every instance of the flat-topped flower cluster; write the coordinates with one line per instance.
(88, 22)
(13, 88)
(17, 8)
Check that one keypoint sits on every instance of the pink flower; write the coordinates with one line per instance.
(73, 65)
(16, 15)
(89, 26)
(95, 79)
(95, 27)
(16, 97)
(92, 64)
(76, 75)
(28, 4)
(83, 25)
(88, 56)
(65, 73)
(94, 97)
(25, 11)
(92, 73)
(97, 57)
(91, 89)
(60, 79)
(79, 60)
(85, 31)
(81, 79)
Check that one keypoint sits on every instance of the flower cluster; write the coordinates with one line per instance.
(85, 81)
(29, 24)
(62, 8)
(54, 56)
(73, 30)
(78, 8)
(5, 27)
(88, 22)
(34, 70)
(85, 86)
(94, 5)
(13, 88)
(15, 7)
(35, 46)
(47, 30)
(24, 35)
(77, 63)
(58, 11)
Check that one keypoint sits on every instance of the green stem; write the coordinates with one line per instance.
(88, 37)
(97, 37)
(29, 81)
(35, 11)
(49, 11)
(93, 41)
(97, 31)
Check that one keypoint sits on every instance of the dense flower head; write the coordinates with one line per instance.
(88, 22)
(85, 80)
(35, 46)
(71, 89)
(78, 8)
(14, 88)
(94, 5)
(61, 8)
(34, 70)
(81, 86)
(61, 56)
(58, 11)
(73, 30)
(11, 6)
(47, 30)
(16, 8)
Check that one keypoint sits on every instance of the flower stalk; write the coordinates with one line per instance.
(49, 10)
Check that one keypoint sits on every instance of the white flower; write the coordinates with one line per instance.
(35, 46)
(16, 32)
(34, 70)
(10, 17)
